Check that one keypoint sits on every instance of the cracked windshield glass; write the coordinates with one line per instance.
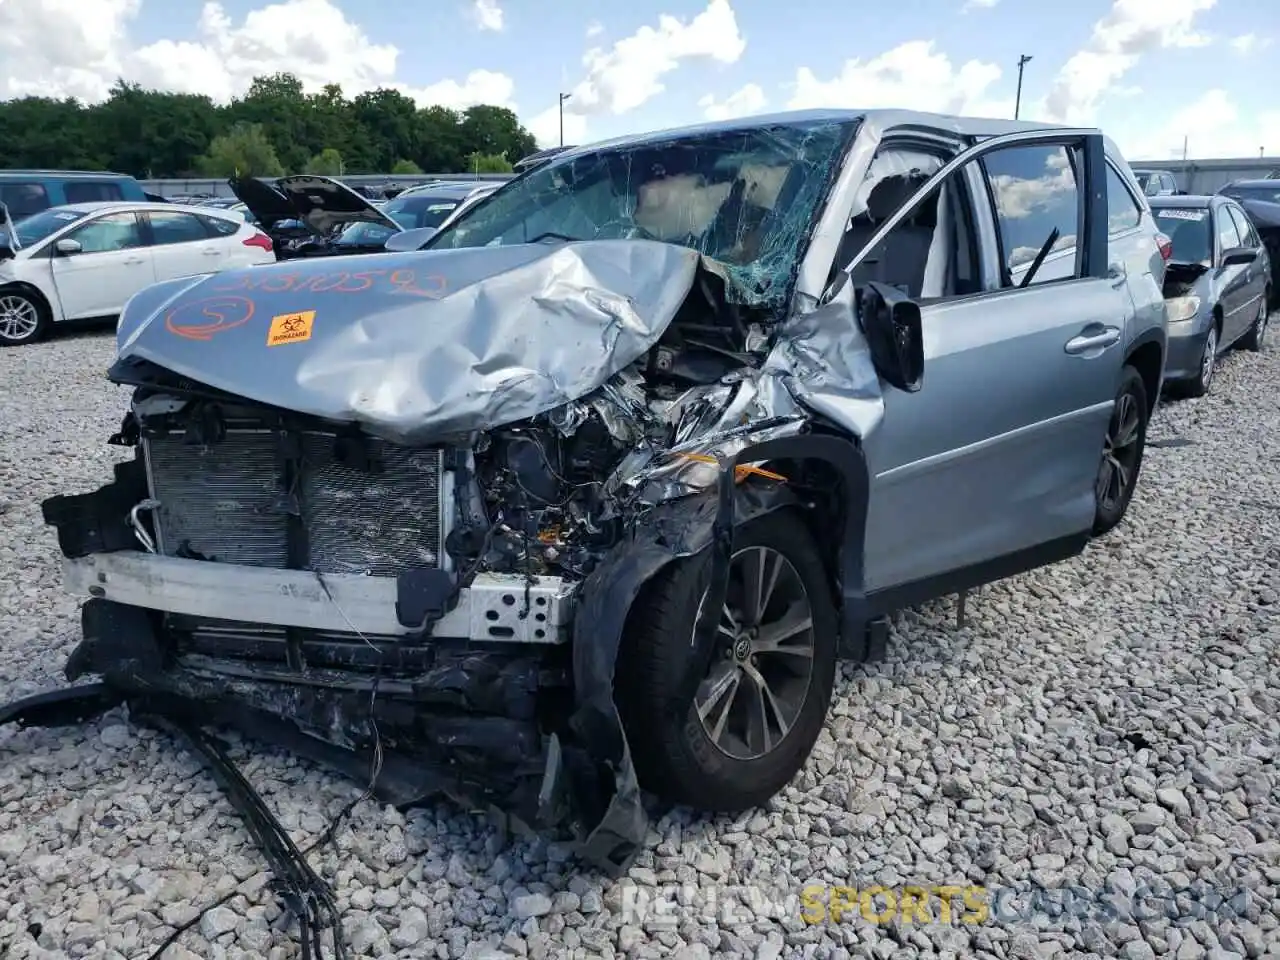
(745, 198)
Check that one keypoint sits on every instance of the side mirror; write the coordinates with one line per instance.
(407, 240)
(1236, 256)
(891, 322)
(66, 246)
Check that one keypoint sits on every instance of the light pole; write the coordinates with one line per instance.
(563, 98)
(1017, 103)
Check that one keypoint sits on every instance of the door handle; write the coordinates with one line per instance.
(211, 252)
(130, 261)
(1086, 342)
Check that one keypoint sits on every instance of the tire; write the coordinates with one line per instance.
(1131, 400)
(1199, 386)
(678, 759)
(1255, 339)
(24, 318)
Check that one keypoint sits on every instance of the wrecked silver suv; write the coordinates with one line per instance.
(592, 493)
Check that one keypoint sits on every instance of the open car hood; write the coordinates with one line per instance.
(322, 203)
(421, 344)
(268, 205)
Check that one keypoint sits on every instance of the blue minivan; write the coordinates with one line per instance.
(26, 192)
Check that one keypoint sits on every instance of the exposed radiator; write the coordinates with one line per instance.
(227, 502)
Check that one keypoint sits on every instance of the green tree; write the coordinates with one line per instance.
(152, 134)
(496, 130)
(405, 166)
(488, 163)
(328, 162)
(244, 150)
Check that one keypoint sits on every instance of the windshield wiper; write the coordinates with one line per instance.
(1044, 252)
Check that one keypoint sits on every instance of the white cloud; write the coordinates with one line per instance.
(487, 14)
(480, 86)
(741, 103)
(545, 126)
(62, 48)
(1248, 43)
(67, 48)
(913, 76)
(594, 29)
(1130, 29)
(630, 73)
(978, 5)
(1212, 125)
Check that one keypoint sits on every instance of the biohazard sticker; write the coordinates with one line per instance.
(290, 328)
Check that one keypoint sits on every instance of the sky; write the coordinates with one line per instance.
(1153, 74)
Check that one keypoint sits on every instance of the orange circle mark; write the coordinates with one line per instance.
(202, 319)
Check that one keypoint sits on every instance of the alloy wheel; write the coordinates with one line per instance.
(755, 690)
(19, 317)
(1208, 358)
(1120, 452)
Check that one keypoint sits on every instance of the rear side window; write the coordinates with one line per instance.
(24, 199)
(167, 228)
(1122, 210)
(92, 191)
(1037, 205)
(217, 227)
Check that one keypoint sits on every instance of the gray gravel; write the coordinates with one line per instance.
(1109, 722)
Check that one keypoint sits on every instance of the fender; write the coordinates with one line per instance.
(670, 532)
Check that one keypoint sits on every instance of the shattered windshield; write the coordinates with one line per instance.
(743, 197)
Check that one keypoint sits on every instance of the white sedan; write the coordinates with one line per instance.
(83, 261)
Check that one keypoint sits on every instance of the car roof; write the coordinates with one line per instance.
(885, 119)
(97, 206)
(1185, 200)
(1271, 183)
(70, 174)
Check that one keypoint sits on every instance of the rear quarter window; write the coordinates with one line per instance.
(218, 227)
(1123, 212)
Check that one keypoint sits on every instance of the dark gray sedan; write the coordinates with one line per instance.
(1216, 286)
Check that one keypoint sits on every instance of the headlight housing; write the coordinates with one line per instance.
(1182, 308)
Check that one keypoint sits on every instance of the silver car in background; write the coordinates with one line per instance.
(1218, 286)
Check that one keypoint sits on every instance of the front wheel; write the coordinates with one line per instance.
(23, 319)
(1199, 385)
(1122, 450)
(1255, 339)
(762, 703)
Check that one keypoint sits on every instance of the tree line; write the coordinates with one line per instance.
(274, 129)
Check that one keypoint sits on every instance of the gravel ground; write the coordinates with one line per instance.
(1106, 723)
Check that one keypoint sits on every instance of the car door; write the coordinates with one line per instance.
(181, 246)
(992, 464)
(111, 265)
(1233, 281)
(1256, 273)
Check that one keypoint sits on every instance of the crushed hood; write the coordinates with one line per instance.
(417, 345)
(322, 203)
